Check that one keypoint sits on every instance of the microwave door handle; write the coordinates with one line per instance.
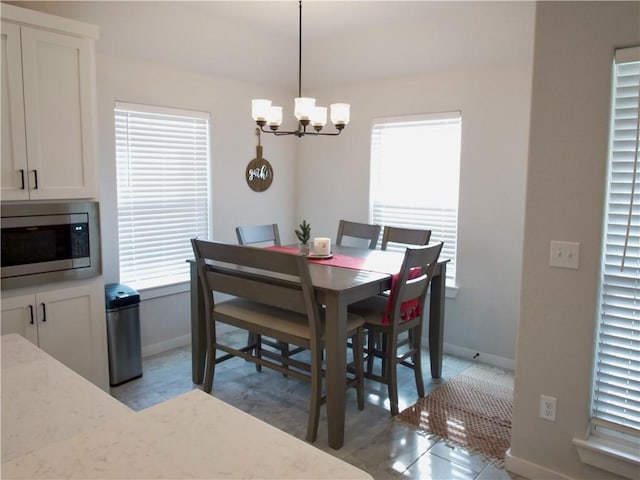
(44, 312)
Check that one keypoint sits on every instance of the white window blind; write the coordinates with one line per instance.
(616, 399)
(162, 162)
(415, 171)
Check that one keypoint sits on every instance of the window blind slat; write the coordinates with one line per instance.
(616, 397)
(402, 150)
(162, 158)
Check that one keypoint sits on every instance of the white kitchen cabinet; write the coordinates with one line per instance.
(48, 107)
(19, 316)
(14, 146)
(68, 323)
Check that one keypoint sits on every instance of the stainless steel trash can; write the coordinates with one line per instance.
(123, 333)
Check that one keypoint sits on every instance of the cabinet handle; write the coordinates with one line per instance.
(31, 313)
(22, 178)
(35, 177)
(44, 312)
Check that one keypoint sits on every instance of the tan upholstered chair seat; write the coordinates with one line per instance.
(370, 309)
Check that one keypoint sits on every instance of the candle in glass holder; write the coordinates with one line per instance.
(322, 246)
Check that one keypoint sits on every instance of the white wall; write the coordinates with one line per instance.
(566, 181)
(334, 183)
(165, 322)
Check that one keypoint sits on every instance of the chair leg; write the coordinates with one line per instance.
(210, 368)
(393, 392)
(258, 350)
(371, 349)
(358, 356)
(390, 373)
(384, 342)
(316, 393)
(416, 345)
(254, 339)
(284, 351)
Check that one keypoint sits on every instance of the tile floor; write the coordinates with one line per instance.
(374, 441)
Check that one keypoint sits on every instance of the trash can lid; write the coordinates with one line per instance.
(118, 295)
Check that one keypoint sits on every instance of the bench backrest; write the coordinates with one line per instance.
(274, 278)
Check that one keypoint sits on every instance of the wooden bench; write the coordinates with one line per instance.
(272, 295)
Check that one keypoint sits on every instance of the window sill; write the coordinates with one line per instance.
(163, 291)
(451, 291)
(609, 455)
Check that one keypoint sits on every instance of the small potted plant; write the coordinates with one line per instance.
(304, 235)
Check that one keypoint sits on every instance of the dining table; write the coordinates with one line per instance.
(336, 287)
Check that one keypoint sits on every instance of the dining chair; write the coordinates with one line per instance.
(250, 234)
(403, 311)
(404, 236)
(364, 231)
(398, 239)
(283, 309)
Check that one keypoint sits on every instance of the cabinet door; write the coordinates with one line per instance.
(71, 325)
(59, 111)
(13, 176)
(18, 316)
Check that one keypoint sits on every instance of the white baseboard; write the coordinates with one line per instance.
(462, 352)
(530, 470)
(449, 348)
(182, 341)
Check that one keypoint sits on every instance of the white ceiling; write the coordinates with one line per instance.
(343, 41)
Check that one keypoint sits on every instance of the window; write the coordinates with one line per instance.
(615, 423)
(407, 154)
(162, 159)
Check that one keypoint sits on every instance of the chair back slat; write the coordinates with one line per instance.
(364, 231)
(258, 258)
(404, 236)
(289, 297)
(250, 234)
(413, 288)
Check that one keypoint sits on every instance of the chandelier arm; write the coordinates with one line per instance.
(299, 133)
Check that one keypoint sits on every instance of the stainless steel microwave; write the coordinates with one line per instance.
(49, 242)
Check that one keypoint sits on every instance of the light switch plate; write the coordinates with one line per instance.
(564, 254)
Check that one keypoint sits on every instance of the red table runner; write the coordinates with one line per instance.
(409, 309)
(343, 261)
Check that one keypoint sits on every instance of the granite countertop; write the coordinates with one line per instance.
(192, 436)
(44, 402)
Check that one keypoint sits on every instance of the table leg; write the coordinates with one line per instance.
(436, 320)
(198, 328)
(336, 368)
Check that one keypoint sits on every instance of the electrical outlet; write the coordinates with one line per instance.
(548, 408)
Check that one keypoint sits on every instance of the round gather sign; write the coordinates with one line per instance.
(259, 173)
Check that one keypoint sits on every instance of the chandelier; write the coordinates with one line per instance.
(305, 108)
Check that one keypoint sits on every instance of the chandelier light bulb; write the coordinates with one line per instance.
(260, 109)
(274, 118)
(340, 113)
(319, 117)
(304, 107)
